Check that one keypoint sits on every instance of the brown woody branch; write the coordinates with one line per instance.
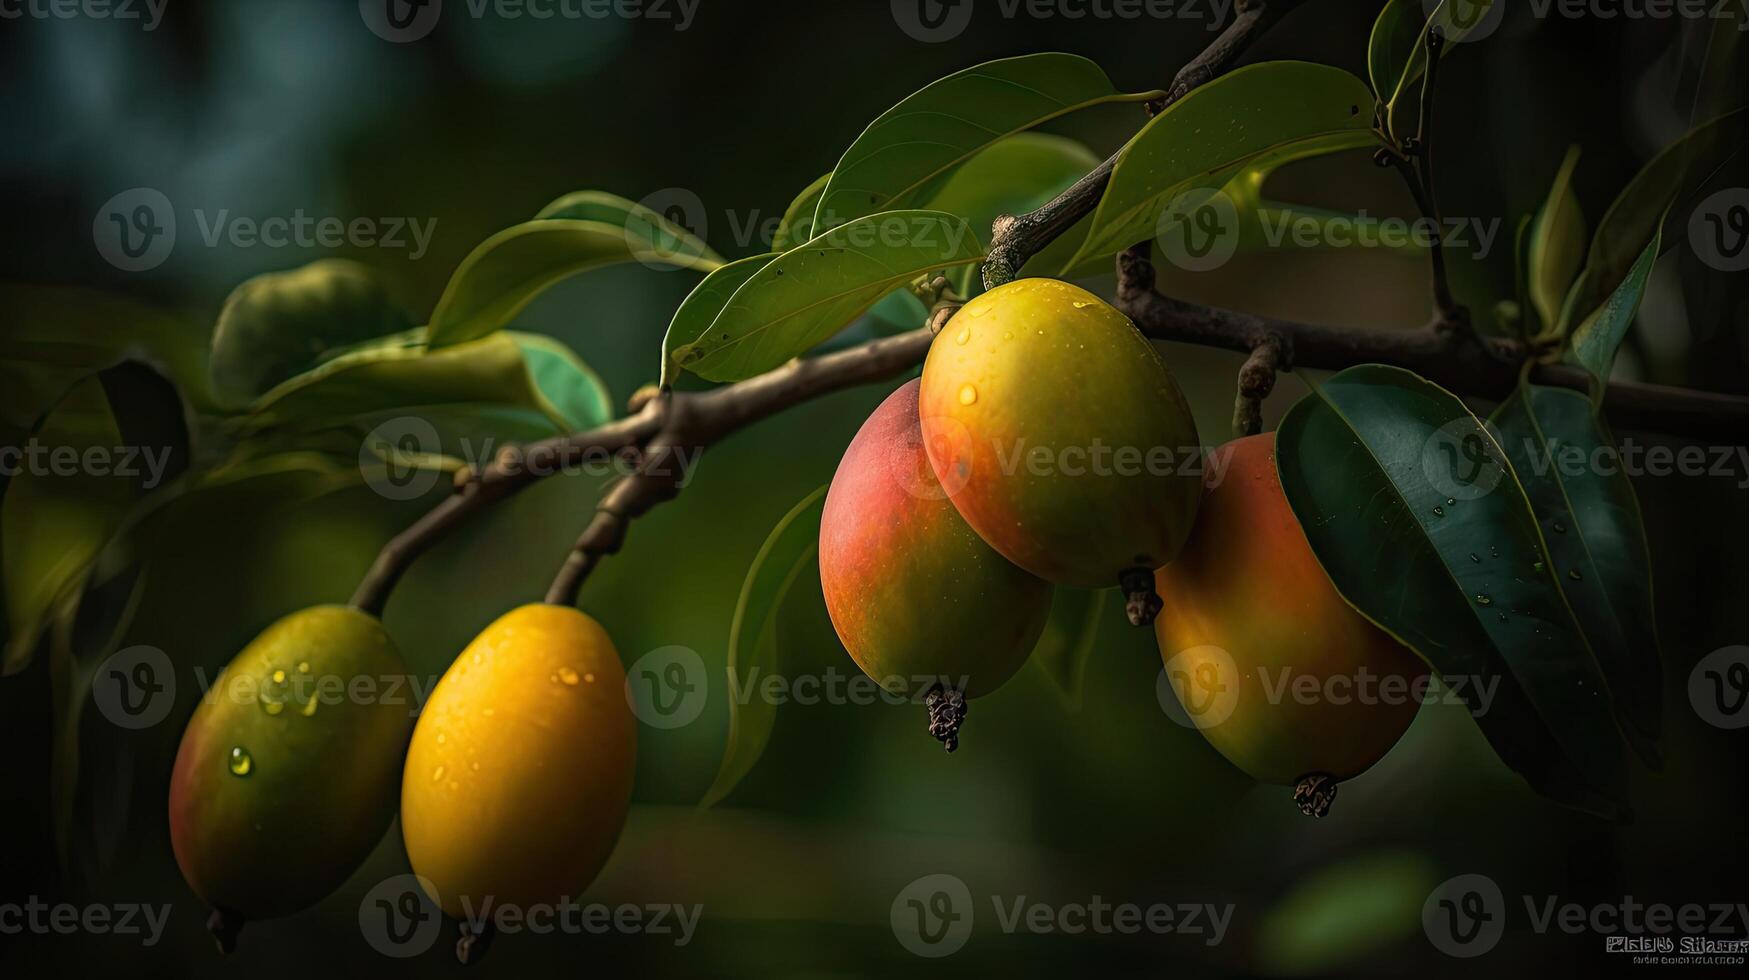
(661, 429)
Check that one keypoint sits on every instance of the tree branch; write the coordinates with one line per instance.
(1016, 238)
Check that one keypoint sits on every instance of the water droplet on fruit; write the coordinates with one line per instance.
(1451, 501)
(964, 335)
(272, 707)
(437, 774)
(588, 678)
(303, 666)
(968, 394)
(242, 764)
(442, 738)
(568, 677)
(1081, 305)
(279, 677)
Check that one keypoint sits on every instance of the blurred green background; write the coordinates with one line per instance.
(269, 106)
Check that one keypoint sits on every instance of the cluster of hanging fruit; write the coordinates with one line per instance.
(968, 495)
(292, 767)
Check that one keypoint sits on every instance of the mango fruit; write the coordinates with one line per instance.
(914, 593)
(1251, 617)
(285, 778)
(1064, 438)
(520, 772)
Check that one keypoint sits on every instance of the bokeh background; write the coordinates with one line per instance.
(265, 107)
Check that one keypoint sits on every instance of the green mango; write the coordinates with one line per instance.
(290, 770)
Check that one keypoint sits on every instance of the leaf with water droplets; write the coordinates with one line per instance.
(1378, 440)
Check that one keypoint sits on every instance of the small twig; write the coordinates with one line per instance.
(1016, 238)
(1256, 381)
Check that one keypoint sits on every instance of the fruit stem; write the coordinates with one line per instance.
(1141, 602)
(1315, 793)
(947, 712)
(472, 945)
(225, 924)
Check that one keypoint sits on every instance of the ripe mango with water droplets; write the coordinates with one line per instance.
(1064, 438)
(1278, 671)
(912, 590)
(520, 772)
(286, 775)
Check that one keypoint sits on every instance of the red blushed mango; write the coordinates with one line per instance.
(1279, 672)
(1063, 437)
(913, 592)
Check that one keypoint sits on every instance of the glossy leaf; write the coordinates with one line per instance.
(1195, 147)
(495, 370)
(1070, 636)
(1557, 245)
(1590, 518)
(788, 552)
(643, 226)
(1402, 494)
(900, 158)
(797, 224)
(507, 271)
(1594, 343)
(1637, 215)
(701, 307)
(1395, 34)
(1456, 19)
(809, 293)
(277, 325)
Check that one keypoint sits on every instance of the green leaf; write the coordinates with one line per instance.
(277, 325)
(1557, 245)
(1405, 501)
(1594, 344)
(568, 389)
(1258, 113)
(1070, 635)
(701, 307)
(788, 552)
(644, 228)
(900, 158)
(809, 293)
(1590, 518)
(797, 224)
(495, 370)
(1395, 35)
(1638, 214)
(507, 271)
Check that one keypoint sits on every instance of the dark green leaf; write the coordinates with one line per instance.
(902, 155)
(1590, 518)
(644, 228)
(1194, 148)
(701, 307)
(507, 271)
(1456, 21)
(1406, 503)
(1394, 36)
(1595, 342)
(569, 390)
(277, 325)
(809, 293)
(1637, 216)
(788, 552)
(1557, 245)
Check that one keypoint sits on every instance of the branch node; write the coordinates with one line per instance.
(1314, 794)
(938, 319)
(947, 712)
(1256, 381)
